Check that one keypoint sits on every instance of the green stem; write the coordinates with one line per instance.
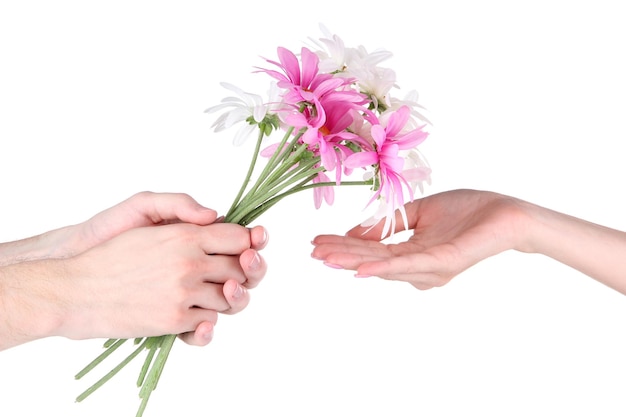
(287, 164)
(271, 189)
(304, 171)
(152, 345)
(152, 379)
(154, 374)
(330, 184)
(143, 405)
(244, 184)
(111, 373)
(262, 208)
(111, 347)
(274, 160)
(109, 342)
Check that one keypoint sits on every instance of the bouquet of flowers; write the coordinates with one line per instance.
(336, 111)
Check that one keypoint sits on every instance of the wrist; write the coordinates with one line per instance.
(526, 227)
(546, 230)
(32, 304)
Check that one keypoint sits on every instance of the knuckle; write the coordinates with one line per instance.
(177, 320)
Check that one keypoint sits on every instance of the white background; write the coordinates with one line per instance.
(99, 100)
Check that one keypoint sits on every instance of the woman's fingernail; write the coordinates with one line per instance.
(335, 266)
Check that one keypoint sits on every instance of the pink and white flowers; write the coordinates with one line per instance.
(338, 114)
(336, 109)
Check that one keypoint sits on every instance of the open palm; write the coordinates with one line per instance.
(451, 232)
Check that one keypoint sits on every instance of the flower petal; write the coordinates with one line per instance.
(361, 159)
(243, 133)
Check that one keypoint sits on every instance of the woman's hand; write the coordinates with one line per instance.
(451, 232)
(456, 229)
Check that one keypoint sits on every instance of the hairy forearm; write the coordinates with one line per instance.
(595, 250)
(29, 303)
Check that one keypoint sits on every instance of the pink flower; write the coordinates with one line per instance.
(326, 131)
(383, 153)
(321, 104)
(322, 193)
(299, 81)
(303, 81)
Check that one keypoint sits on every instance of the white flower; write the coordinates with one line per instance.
(332, 55)
(416, 170)
(376, 82)
(243, 108)
(358, 63)
(411, 100)
(387, 212)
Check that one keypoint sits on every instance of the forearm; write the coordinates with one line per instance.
(595, 250)
(30, 304)
(53, 244)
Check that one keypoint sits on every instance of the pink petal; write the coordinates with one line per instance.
(269, 151)
(397, 120)
(361, 159)
(411, 139)
(290, 64)
(310, 63)
(379, 135)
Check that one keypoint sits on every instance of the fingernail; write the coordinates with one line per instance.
(335, 266)
(220, 219)
(255, 263)
(239, 292)
(264, 238)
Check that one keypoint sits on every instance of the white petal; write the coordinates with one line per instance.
(233, 88)
(236, 116)
(221, 106)
(243, 133)
(259, 113)
(219, 123)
